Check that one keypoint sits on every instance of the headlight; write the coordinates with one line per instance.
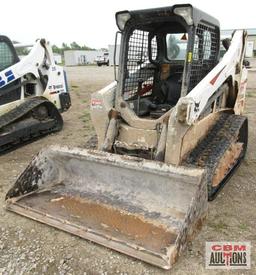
(186, 13)
(121, 19)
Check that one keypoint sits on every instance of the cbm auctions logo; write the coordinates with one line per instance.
(228, 255)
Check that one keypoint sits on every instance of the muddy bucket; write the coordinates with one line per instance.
(139, 207)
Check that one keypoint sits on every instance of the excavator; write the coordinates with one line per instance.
(33, 93)
(170, 132)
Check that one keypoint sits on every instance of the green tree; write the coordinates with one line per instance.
(65, 46)
(75, 46)
(56, 49)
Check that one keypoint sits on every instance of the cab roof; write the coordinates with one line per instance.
(168, 12)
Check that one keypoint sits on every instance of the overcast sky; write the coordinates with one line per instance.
(93, 22)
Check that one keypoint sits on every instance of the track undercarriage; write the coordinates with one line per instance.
(33, 118)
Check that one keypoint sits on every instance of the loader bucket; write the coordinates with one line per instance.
(142, 208)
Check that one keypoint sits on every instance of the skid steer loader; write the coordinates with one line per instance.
(170, 133)
(33, 92)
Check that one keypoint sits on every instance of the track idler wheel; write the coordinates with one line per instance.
(40, 113)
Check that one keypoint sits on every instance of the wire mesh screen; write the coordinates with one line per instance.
(6, 56)
(206, 48)
(139, 74)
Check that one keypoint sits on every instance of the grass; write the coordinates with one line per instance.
(74, 86)
(219, 226)
(243, 226)
(85, 117)
(251, 94)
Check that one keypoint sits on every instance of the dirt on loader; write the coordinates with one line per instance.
(29, 247)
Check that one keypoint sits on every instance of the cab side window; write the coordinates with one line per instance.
(176, 46)
(6, 56)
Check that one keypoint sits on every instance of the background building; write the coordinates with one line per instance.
(78, 57)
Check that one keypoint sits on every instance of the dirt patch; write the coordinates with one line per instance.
(28, 247)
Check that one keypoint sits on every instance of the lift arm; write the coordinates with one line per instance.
(194, 104)
(40, 55)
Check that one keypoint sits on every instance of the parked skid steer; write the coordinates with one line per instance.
(170, 133)
(33, 92)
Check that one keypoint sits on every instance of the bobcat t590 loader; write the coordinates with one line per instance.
(33, 92)
(170, 133)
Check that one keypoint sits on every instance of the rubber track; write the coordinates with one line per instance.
(210, 150)
(23, 109)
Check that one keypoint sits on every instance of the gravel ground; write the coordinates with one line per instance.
(28, 247)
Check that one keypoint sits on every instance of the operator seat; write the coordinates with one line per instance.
(171, 88)
(171, 91)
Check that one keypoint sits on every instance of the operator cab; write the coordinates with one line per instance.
(8, 57)
(164, 54)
